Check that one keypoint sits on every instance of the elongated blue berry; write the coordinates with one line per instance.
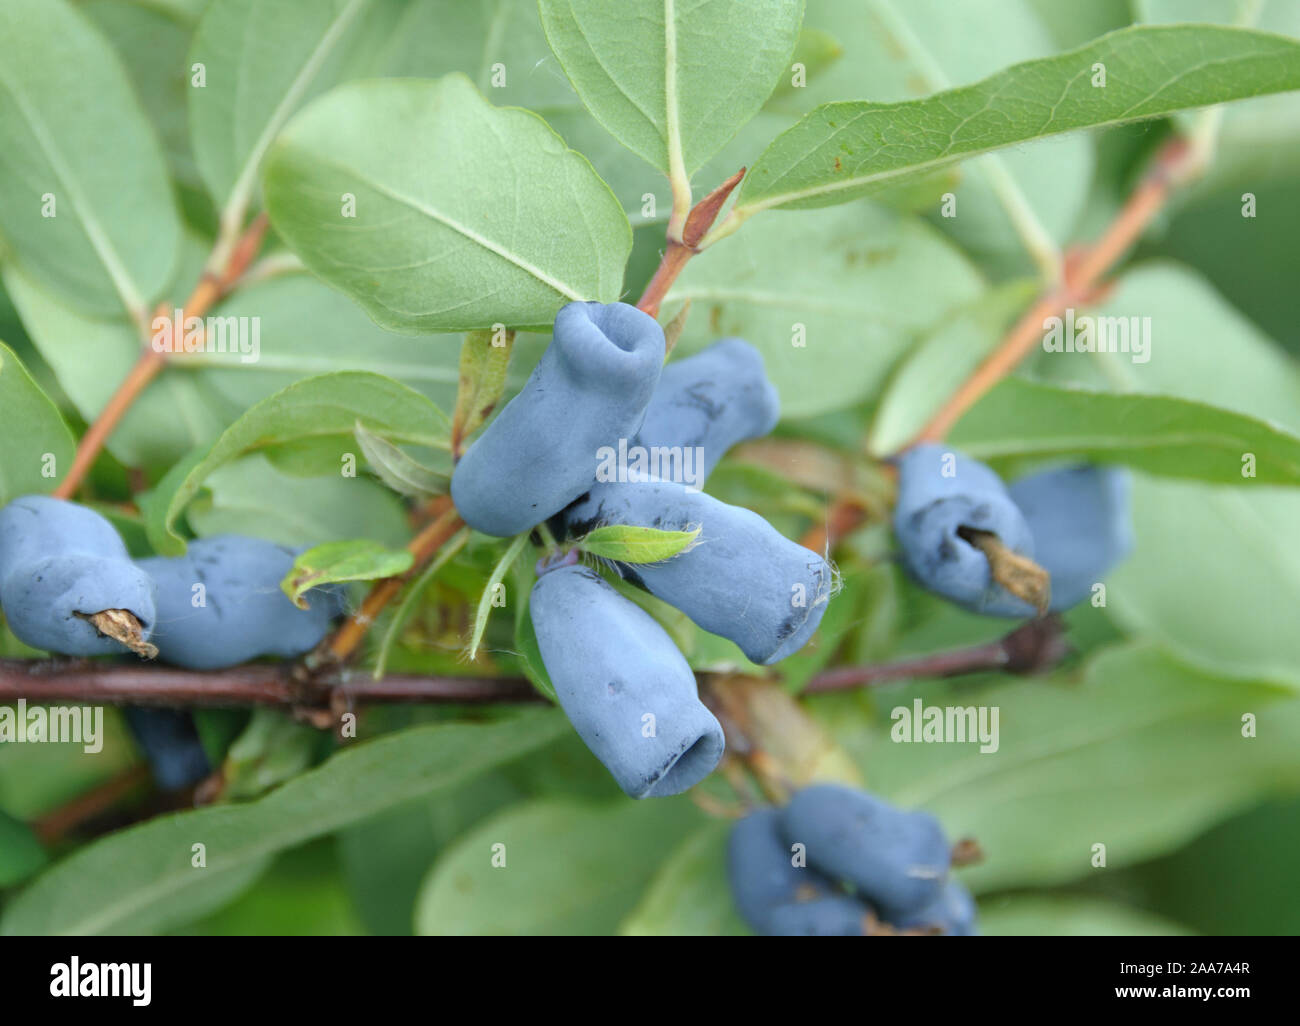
(1079, 518)
(840, 916)
(762, 870)
(708, 402)
(59, 563)
(220, 604)
(894, 859)
(626, 688)
(589, 389)
(171, 744)
(742, 579)
(942, 496)
(952, 913)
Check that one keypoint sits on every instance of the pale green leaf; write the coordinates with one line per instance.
(845, 150)
(630, 544)
(570, 868)
(251, 496)
(261, 60)
(142, 879)
(400, 472)
(324, 408)
(899, 50)
(814, 52)
(673, 79)
(21, 853)
(1141, 754)
(941, 361)
(484, 358)
(1159, 434)
(490, 591)
(831, 299)
(360, 559)
(430, 246)
(91, 356)
(304, 327)
(73, 131)
(1215, 575)
(36, 440)
(690, 895)
(1061, 916)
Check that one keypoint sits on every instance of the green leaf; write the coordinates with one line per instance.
(845, 150)
(1258, 140)
(1064, 916)
(569, 868)
(1215, 575)
(500, 46)
(91, 356)
(271, 749)
(37, 443)
(1141, 755)
(302, 894)
(1188, 324)
(637, 544)
(152, 43)
(359, 560)
(941, 361)
(816, 51)
(490, 592)
(690, 895)
(484, 358)
(307, 328)
(21, 853)
(73, 131)
(1158, 434)
(141, 879)
(429, 247)
(325, 407)
(673, 80)
(385, 858)
(261, 61)
(844, 289)
(400, 472)
(899, 50)
(251, 496)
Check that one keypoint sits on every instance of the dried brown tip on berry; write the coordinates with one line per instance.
(123, 628)
(1021, 576)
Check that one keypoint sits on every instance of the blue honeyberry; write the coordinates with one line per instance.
(1079, 517)
(894, 859)
(625, 687)
(61, 562)
(742, 579)
(840, 916)
(708, 402)
(762, 873)
(941, 495)
(170, 743)
(589, 389)
(220, 604)
(952, 913)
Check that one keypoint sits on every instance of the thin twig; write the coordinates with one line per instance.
(209, 290)
(1171, 168)
(258, 684)
(1034, 647)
